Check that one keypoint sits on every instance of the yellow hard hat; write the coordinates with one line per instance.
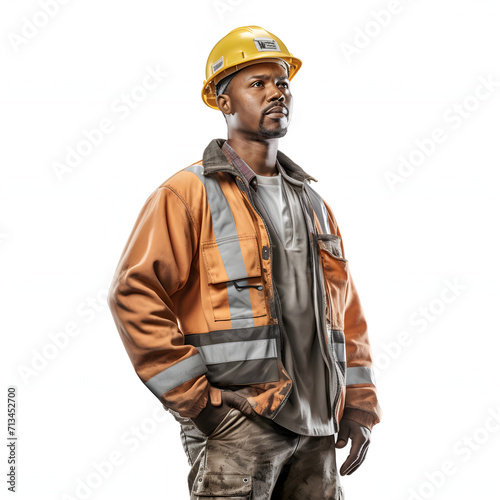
(240, 48)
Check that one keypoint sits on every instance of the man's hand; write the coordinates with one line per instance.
(360, 437)
(213, 414)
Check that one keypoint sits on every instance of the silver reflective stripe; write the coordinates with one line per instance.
(177, 374)
(360, 375)
(325, 215)
(238, 351)
(239, 356)
(240, 306)
(339, 351)
(338, 341)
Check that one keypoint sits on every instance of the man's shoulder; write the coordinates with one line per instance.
(184, 179)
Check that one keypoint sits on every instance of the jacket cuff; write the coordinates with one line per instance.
(361, 417)
(183, 403)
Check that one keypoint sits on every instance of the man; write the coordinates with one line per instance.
(236, 304)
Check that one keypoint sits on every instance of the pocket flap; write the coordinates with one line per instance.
(231, 259)
(223, 485)
(330, 243)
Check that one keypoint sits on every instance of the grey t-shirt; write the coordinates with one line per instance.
(305, 411)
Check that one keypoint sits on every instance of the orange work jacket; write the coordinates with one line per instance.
(195, 304)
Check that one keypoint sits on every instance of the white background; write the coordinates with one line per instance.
(354, 117)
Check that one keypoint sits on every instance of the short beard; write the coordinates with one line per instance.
(271, 133)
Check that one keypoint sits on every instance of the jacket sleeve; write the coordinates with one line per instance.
(154, 265)
(361, 403)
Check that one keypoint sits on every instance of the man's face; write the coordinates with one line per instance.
(258, 102)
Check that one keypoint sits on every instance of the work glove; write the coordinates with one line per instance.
(218, 405)
(360, 441)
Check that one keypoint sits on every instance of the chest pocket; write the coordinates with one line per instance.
(234, 278)
(335, 270)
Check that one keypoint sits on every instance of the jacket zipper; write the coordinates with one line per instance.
(332, 360)
(339, 388)
(335, 364)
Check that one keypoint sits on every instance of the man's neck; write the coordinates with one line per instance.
(260, 156)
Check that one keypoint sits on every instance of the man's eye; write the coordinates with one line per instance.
(256, 84)
(284, 84)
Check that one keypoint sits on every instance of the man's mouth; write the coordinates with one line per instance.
(277, 111)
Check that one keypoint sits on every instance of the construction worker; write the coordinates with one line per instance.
(235, 301)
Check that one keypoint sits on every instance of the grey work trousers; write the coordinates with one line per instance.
(255, 458)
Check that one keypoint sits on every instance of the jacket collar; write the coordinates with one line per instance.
(214, 160)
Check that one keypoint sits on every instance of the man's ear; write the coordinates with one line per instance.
(224, 103)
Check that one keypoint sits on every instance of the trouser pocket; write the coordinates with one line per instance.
(223, 486)
(229, 418)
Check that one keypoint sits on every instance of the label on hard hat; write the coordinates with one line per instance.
(217, 65)
(266, 44)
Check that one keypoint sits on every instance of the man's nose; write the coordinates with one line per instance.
(276, 95)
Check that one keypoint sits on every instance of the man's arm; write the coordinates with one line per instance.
(361, 404)
(154, 265)
(362, 410)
